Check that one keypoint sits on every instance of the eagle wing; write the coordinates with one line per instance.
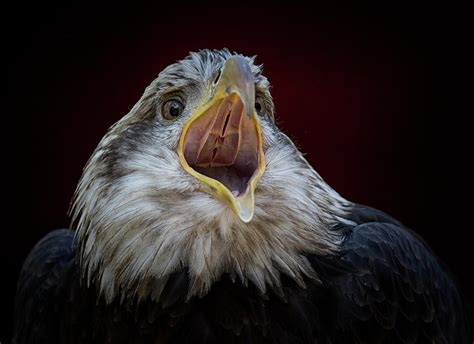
(398, 291)
(36, 306)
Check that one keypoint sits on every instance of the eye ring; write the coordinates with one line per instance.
(172, 109)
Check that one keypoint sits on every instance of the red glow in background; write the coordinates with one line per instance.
(353, 91)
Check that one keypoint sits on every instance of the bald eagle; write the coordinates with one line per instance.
(197, 220)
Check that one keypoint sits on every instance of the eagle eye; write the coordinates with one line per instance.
(259, 105)
(172, 109)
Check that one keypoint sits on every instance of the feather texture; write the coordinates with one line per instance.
(156, 260)
(140, 216)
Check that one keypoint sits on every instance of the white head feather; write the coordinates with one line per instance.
(140, 216)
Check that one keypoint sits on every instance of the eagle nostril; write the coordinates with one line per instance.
(217, 77)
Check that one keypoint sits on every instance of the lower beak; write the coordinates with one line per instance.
(221, 144)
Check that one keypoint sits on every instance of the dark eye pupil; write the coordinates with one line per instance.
(172, 109)
(258, 106)
(175, 110)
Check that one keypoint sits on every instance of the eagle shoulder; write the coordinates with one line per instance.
(397, 288)
(41, 278)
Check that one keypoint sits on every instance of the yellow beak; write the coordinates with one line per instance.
(221, 143)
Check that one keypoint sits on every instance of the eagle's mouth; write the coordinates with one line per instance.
(221, 144)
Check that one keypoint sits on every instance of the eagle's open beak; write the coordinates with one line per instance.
(221, 144)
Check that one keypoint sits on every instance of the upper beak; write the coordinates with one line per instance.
(221, 143)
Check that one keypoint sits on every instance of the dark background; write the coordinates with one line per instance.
(355, 90)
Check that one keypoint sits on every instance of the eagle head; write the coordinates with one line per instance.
(198, 176)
